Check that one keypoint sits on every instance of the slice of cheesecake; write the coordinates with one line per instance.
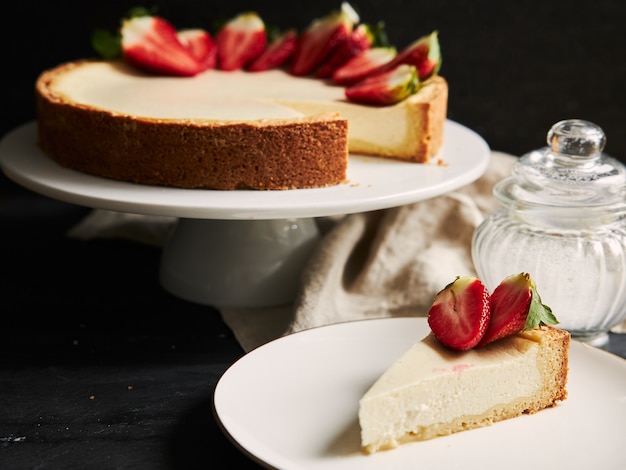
(433, 391)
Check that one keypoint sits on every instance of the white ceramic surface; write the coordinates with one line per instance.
(237, 263)
(374, 183)
(292, 404)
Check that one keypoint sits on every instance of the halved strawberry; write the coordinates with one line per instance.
(277, 53)
(360, 39)
(200, 43)
(460, 313)
(151, 43)
(516, 306)
(241, 40)
(363, 65)
(424, 54)
(385, 88)
(321, 37)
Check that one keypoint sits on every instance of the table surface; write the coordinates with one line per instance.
(99, 366)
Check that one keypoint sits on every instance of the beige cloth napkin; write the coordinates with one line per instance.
(375, 264)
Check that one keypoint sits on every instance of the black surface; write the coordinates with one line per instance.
(99, 367)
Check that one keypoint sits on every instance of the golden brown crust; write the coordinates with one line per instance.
(428, 111)
(269, 154)
(554, 358)
(430, 137)
(186, 155)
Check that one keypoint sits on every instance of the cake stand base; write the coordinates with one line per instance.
(237, 263)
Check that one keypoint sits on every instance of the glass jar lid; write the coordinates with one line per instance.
(571, 172)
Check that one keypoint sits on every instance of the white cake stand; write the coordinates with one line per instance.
(247, 248)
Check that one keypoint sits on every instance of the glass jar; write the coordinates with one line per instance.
(562, 221)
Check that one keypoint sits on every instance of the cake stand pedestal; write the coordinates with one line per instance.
(248, 248)
(244, 263)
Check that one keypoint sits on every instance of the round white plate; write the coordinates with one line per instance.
(292, 404)
(374, 183)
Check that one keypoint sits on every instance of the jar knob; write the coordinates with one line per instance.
(576, 139)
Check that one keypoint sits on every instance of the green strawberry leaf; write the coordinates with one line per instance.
(380, 38)
(106, 44)
(538, 314)
(141, 11)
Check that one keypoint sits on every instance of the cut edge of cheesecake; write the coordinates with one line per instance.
(552, 357)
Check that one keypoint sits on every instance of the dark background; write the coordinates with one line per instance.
(102, 369)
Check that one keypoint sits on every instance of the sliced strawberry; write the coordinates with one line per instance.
(361, 38)
(460, 313)
(321, 37)
(277, 53)
(241, 40)
(385, 88)
(424, 54)
(363, 65)
(516, 306)
(151, 43)
(200, 43)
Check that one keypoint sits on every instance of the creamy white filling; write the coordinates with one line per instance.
(229, 96)
(430, 385)
(214, 94)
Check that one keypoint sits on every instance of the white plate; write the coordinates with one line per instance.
(374, 183)
(292, 404)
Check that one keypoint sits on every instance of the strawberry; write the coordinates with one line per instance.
(201, 45)
(151, 43)
(385, 88)
(241, 40)
(516, 306)
(361, 38)
(460, 313)
(362, 65)
(424, 54)
(277, 53)
(320, 38)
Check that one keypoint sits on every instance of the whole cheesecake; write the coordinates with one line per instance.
(224, 129)
(433, 391)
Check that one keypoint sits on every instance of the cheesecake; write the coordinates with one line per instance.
(225, 130)
(433, 391)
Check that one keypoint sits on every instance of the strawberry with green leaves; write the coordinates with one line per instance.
(385, 88)
(363, 65)
(516, 306)
(277, 53)
(240, 41)
(460, 313)
(151, 43)
(465, 316)
(318, 41)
